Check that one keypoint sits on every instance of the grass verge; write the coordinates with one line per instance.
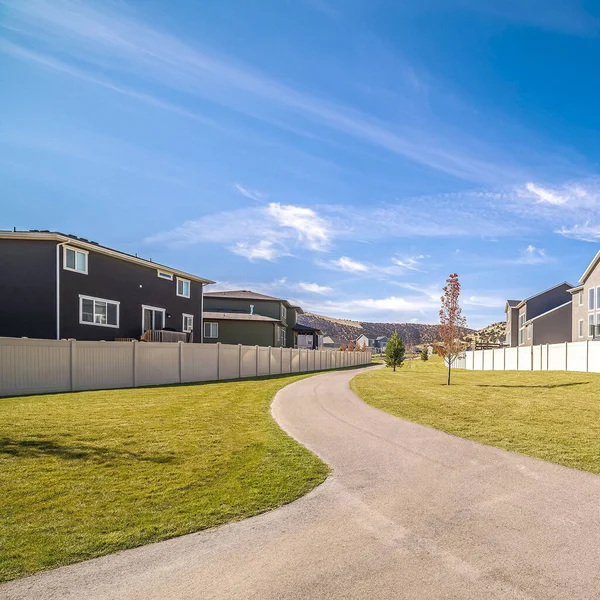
(550, 415)
(90, 473)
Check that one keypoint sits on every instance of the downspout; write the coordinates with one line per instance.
(58, 246)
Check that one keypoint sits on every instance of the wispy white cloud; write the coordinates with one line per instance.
(314, 288)
(533, 256)
(308, 226)
(252, 194)
(345, 263)
(263, 250)
(409, 262)
(485, 301)
(586, 232)
(541, 194)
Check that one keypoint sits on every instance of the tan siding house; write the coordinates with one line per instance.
(586, 303)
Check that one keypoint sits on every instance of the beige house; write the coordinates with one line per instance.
(586, 303)
(544, 318)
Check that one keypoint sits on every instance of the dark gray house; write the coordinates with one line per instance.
(57, 286)
(544, 318)
(246, 317)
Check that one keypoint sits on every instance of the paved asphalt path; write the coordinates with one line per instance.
(408, 513)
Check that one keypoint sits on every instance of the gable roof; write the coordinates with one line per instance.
(249, 295)
(511, 304)
(543, 292)
(548, 312)
(78, 242)
(590, 268)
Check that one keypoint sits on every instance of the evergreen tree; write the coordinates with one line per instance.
(425, 353)
(394, 351)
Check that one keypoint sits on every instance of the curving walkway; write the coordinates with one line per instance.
(408, 513)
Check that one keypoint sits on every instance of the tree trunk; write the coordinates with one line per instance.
(449, 368)
(394, 365)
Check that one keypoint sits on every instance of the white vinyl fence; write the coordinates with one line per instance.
(567, 356)
(30, 366)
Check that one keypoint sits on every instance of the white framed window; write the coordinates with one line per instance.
(522, 328)
(188, 323)
(598, 298)
(591, 325)
(580, 328)
(75, 259)
(164, 275)
(211, 330)
(283, 313)
(282, 339)
(98, 311)
(183, 287)
(580, 296)
(591, 299)
(529, 331)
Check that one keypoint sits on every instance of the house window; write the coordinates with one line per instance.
(283, 313)
(188, 323)
(580, 297)
(75, 260)
(183, 288)
(282, 336)
(580, 329)
(211, 330)
(591, 325)
(97, 311)
(529, 331)
(522, 328)
(591, 299)
(165, 275)
(598, 298)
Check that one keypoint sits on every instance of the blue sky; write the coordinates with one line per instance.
(348, 155)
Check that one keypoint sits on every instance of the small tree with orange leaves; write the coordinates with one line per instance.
(451, 323)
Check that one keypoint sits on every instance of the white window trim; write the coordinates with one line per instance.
(74, 249)
(580, 297)
(191, 317)
(591, 296)
(156, 308)
(189, 288)
(597, 298)
(590, 324)
(82, 322)
(164, 275)
(283, 313)
(211, 323)
(580, 329)
(529, 327)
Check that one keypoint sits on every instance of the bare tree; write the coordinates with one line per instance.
(451, 323)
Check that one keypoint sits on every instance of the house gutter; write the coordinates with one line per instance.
(58, 246)
(201, 313)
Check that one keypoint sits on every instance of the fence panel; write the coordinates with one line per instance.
(248, 360)
(286, 360)
(488, 360)
(511, 363)
(312, 356)
(263, 360)
(537, 358)
(498, 358)
(199, 362)
(478, 361)
(557, 357)
(48, 366)
(577, 356)
(594, 357)
(102, 365)
(229, 361)
(524, 360)
(295, 360)
(275, 361)
(156, 363)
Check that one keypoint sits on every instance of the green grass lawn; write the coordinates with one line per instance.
(86, 474)
(554, 416)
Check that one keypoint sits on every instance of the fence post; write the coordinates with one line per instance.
(135, 363)
(180, 360)
(239, 361)
(518, 347)
(547, 357)
(269, 349)
(292, 359)
(72, 358)
(504, 359)
(587, 356)
(257, 360)
(566, 356)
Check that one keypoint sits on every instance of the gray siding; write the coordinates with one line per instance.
(553, 328)
(249, 333)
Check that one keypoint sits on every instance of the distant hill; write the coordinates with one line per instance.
(342, 331)
(492, 334)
